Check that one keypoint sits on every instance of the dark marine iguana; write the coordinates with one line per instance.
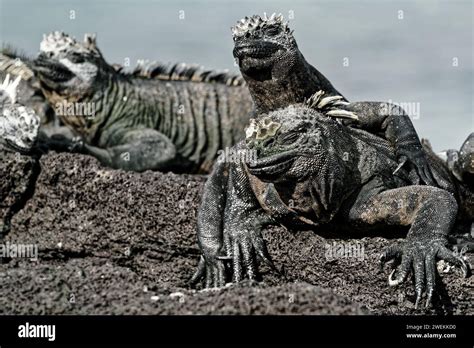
(278, 75)
(461, 163)
(161, 118)
(300, 179)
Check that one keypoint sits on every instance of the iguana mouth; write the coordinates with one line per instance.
(256, 50)
(272, 166)
(52, 70)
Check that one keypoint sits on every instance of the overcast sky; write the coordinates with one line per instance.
(415, 52)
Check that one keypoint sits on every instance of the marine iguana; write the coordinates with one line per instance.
(278, 75)
(173, 117)
(301, 179)
(29, 93)
(19, 124)
(461, 163)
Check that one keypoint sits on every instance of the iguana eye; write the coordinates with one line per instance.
(76, 58)
(272, 31)
(288, 138)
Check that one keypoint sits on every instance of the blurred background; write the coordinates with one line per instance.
(415, 52)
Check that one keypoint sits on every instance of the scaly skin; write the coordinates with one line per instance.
(315, 172)
(461, 163)
(29, 92)
(174, 118)
(278, 76)
(19, 125)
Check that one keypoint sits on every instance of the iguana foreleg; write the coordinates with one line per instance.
(209, 227)
(430, 212)
(230, 229)
(244, 219)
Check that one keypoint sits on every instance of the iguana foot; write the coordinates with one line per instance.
(212, 271)
(62, 143)
(420, 256)
(243, 248)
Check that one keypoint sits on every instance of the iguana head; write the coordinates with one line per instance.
(289, 144)
(461, 163)
(276, 72)
(19, 125)
(259, 43)
(69, 67)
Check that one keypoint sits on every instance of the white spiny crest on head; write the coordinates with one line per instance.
(10, 87)
(59, 41)
(90, 40)
(255, 22)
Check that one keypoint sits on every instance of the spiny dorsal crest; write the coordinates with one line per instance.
(14, 62)
(15, 66)
(186, 72)
(249, 25)
(9, 88)
(60, 42)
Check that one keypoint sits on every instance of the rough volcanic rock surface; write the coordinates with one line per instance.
(18, 176)
(115, 242)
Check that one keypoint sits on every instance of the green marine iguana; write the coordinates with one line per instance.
(278, 75)
(173, 117)
(301, 179)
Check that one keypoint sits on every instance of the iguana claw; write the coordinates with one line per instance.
(339, 113)
(402, 161)
(391, 281)
(213, 273)
(328, 100)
